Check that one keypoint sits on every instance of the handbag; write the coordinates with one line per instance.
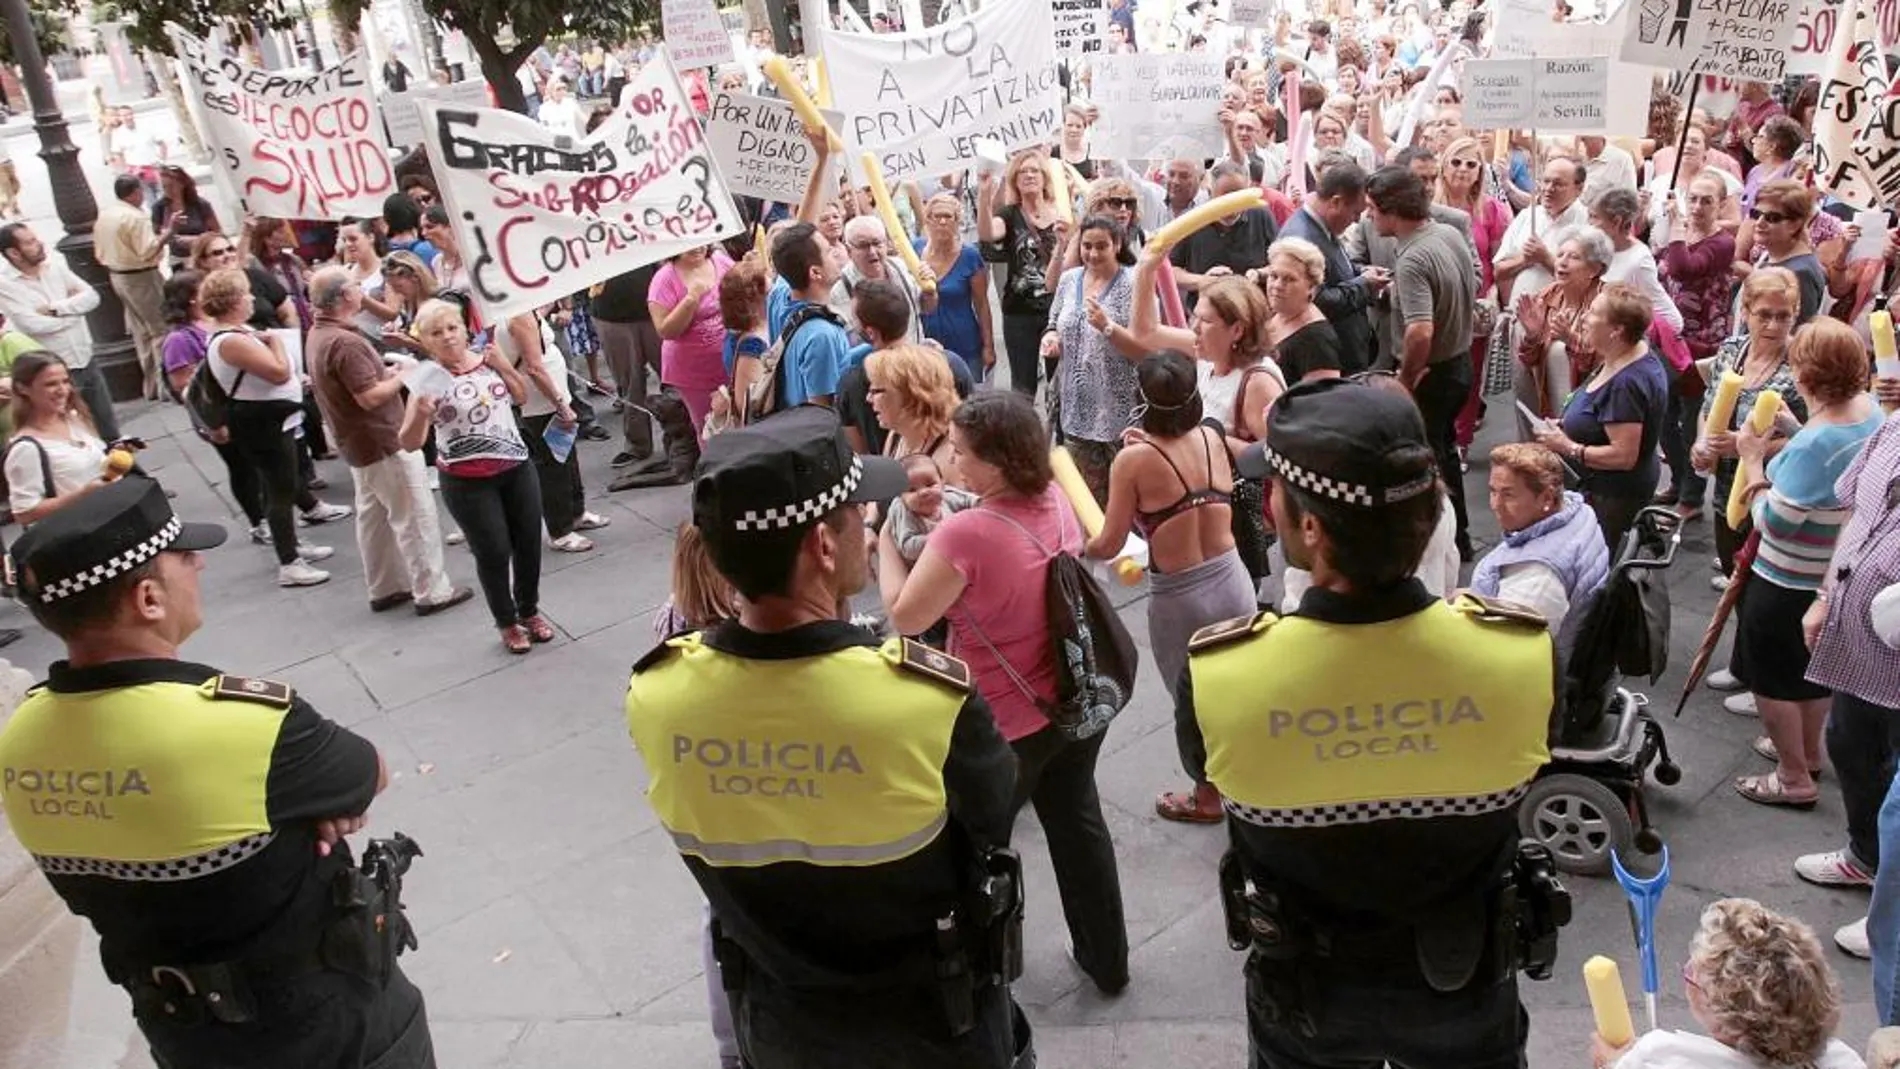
(1500, 357)
(1252, 538)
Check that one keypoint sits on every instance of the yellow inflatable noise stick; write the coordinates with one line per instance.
(118, 462)
(1728, 390)
(780, 73)
(1607, 1001)
(821, 80)
(1060, 193)
(881, 195)
(1220, 207)
(1127, 567)
(1886, 358)
(1767, 404)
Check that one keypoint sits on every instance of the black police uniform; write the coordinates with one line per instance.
(842, 802)
(175, 808)
(1374, 871)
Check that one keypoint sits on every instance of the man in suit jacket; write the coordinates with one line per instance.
(1348, 290)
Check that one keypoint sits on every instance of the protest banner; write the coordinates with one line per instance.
(1856, 117)
(695, 34)
(405, 122)
(293, 145)
(920, 100)
(539, 215)
(1548, 95)
(1746, 39)
(760, 146)
(1081, 26)
(1498, 94)
(1820, 21)
(1253, 14)
(1158, 106)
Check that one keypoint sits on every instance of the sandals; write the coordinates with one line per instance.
(1764, 748)
(1202, 805)
(1768, 790)
(515, 639)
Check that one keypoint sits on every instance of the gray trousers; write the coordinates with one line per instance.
(91, 385)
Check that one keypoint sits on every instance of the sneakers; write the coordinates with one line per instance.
(454, 538)
(312, 554)
(1718, 583)
(1722, 679)
(1833, 869)
(261, 534)
(297, 573)
(435, 479)
(1742, 704)
(1853, 940)
(325, 513)
(571, 542)
(591, 521)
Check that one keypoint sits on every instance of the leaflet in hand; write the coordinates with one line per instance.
(428, 378)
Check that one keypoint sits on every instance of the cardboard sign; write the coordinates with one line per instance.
(1158, 106)
(760, 146)
(540, 216)
(294, 145)
(405, 122)
(1856, 119)
(1746, 39)
(695, 34)
(921, 100)
(1556, 95)
(1081, 26)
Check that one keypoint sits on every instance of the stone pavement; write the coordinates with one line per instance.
(558, 928)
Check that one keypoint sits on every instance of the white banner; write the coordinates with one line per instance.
(294, 145)
(1820, 21)
(405, 122)
(1555, 95)
(760, 146)
(1856, 120)
(1746, 39)
(1081, 26)
(1498, 94)
(1158, 106)
(540, 216)
(694, 33)
(1521, 29)
(921, 100)
(1253, 14)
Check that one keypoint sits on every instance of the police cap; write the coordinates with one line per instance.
(784, 472)
(106, 533)
(1345, 441)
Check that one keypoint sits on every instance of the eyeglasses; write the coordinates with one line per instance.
(1772, 317)
(1126, 204)
(874, 391)
(864, 246)
(1761, 216)
(942, 217)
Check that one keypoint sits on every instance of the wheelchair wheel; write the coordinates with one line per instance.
(1578, 819)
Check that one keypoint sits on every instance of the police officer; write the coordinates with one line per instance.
(1373, 814)
(196, 819)
(841, 801)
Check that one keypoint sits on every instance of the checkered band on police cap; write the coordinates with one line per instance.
(783, 517)
(1314, 483)
(117, 565)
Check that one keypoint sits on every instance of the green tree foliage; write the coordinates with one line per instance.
(48, 25)
(146, 19)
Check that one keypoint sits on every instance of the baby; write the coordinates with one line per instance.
(918, 510)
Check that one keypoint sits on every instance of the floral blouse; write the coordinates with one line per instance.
(1096, 382)
(1564, 323)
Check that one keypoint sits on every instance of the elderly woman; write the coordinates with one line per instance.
(1760, 356)
(1095, 388)
(1024, 228)
(1617, 213)
(1778, 232)
(1305, 346)
(1695, 273)
(1552, 556)
(1774, 145)
(487, 482)
(1555, 352)
(961, 321)
(1614, 418)
(1167, 486)
(985, 569)
(1760, 985)
(1696, 160)
(1799, 517)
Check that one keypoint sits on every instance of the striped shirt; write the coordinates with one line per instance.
(1848, 657)
(1799, 516)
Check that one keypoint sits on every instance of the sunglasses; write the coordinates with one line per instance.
(1464, 165)
(225, 251)
(1124, 203)
(1768, 217)
(397, 271)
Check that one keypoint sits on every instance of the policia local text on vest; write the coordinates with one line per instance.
(1372, 750)
(195, 818)
(843, 803)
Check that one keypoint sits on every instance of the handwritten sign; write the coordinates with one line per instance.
(541, 215)
(761, 146)
(405, 122)
(1159, 105)
(1856, 117)
(1081, 26)
(1819, 23)
(1525, 28)
(295, 145)
(1253, 14)
(921, 100)
(695, 35)
(1746, 39)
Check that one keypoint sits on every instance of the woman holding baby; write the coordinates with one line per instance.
(913, 394)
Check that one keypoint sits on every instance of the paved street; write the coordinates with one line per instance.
(558, 928)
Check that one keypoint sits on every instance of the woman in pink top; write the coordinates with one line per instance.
(985, 570)
(684, 300)
(1461, 186)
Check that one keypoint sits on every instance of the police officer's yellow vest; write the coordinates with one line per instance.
(834, 759)
(154, 781)
(1442, 712)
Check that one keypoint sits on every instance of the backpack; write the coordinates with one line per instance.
(1095, 657)
(206, 397)
(766, 394)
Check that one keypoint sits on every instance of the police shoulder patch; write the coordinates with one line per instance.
(1233, 630)
(246, 689)
(933, 664)
(1500, 611)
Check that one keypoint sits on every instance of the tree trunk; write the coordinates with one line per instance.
(499, 67)
(175, 95)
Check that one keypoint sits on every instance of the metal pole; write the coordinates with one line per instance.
(112, 349)
(1682, 138)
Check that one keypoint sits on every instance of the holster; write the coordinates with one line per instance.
(998, 906)
(1543, 907)
(353, 941)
